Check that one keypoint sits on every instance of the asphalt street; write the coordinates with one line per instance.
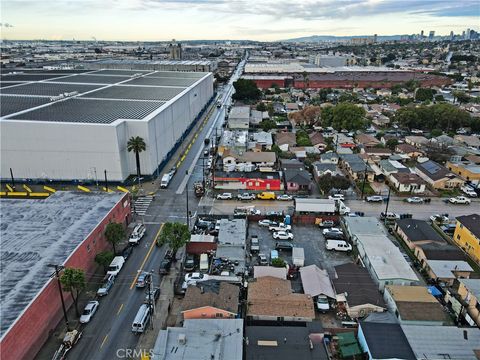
(110, 329)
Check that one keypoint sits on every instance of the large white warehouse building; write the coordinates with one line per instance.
(73, 125)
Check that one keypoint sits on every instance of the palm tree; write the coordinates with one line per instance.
(137, 145)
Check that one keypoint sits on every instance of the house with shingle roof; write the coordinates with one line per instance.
(272, 299)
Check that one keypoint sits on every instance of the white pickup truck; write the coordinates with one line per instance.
(467, 190)
(280, 227)
(166, 180)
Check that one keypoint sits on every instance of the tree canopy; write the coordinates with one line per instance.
(343, 116)
(424, 94)
(246, 90)
(328, 182)
(104, 259)
(73, 280)
(303, 139)
(308, 115)
(174, 234)
(440, 116)
(114, 233)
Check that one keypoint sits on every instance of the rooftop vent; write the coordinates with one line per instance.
(182, 339)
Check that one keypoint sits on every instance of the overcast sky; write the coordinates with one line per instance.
(230, 19)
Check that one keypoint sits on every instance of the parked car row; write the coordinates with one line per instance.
(266, 195)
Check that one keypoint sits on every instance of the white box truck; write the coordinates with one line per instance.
(298, 256)
(204, 263)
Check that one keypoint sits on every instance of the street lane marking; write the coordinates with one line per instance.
(104, 340)
(120, 309)
(146, 257)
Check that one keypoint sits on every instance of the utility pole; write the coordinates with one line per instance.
(57, 275)
(186, 191)
(386, 206)
(106, 183)
(13, 180)
(150, 302)
(203, 172)
(96, 177)
(364, 179)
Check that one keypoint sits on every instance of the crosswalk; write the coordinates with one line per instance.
(141, 205)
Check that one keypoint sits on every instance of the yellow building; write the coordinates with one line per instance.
(468, 171)
(467, 235)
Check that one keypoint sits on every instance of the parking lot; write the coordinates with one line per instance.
(308, 237)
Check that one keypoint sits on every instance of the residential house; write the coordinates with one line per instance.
(360, 293)
(234, 141)
(467, 235)
(256, 117)
(261, 271)
(341, 140)
(200, 244)
(260, 141)
(239, 118)
(297, 180)
(443, 342)
(388, 167)
(417, 141)
(291, 107)
(248, 161)
(381, 340)
(467, 292)
(408, 183)
(409, 150)
(329, 158)
(211, 299)
(200, 339)
(446, 271)
(381, 257)
(284, 343)
(467, 170)
(272, 299)
(366, 140)
(285, 140)
(256, 181)
(316, 281)
(468, 140)
(380, 120)
(414, 305)
(317, 140)
(443, 141)
(356, 167)
(416, 233)
(437, 176)
(321, 169)
(376, 154)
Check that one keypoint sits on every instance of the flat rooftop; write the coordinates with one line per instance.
(97, 96)
(35, 233)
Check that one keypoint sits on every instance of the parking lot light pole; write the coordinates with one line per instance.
(364, 179)
(57, 275)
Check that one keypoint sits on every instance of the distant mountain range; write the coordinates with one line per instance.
(318, 38)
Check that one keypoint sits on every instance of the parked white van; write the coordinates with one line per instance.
(137, 234)
(116, 265)
(166, 180)
(141, 319)
(338, 245)
(204, 262)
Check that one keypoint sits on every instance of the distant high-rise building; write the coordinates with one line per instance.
(467, 35)
(175, 50)
(375, 38)
(463, 34)
(431, 35)
(421, 34)
(451, 36)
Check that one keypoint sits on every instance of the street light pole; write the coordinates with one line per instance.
(386, 206)
(364, 179)
(186, 191)
(57, 275)
(106, 183)
(13, 180)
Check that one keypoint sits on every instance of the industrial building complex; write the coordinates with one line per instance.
(65, 230)
(71, 124)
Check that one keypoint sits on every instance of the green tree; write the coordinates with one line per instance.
(343, 116)
(439, 98)
(261, 107)
(104, 259)
(114, 233)
(270, 109)
(424, 94)
(328, 182)
(174, 234)
(391, 144)
(436, 132)
(277, 262)
(246, 90)
(137, 145)
(411, 85)
(73, 280)
(303, 139)
(268, 124)
(461, 97)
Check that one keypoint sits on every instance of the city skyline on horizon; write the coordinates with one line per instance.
(158, 20)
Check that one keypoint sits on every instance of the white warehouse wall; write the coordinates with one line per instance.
(69, 151)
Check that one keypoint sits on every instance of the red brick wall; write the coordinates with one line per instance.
(30, 332)
(299, 84)
(265, 84)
